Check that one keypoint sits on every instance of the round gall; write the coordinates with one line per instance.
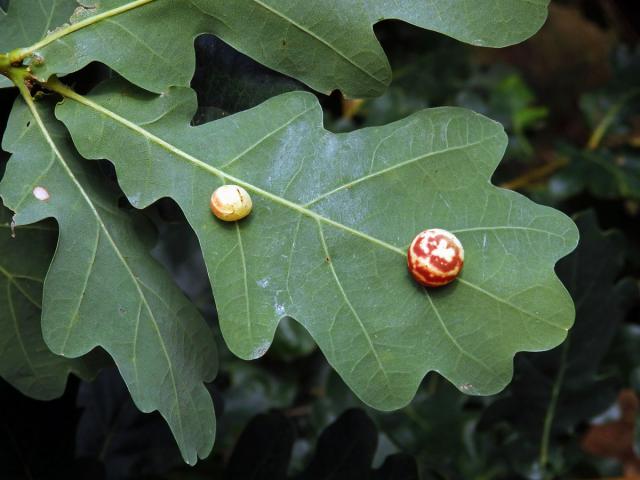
(435, 257)
(230, 203)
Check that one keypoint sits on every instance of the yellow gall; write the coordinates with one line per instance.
(230, 203)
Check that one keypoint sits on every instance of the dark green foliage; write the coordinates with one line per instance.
(288, 415)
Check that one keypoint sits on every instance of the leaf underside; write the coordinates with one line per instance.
(333, 215)
(328, 45)
(103, 288)
(27, 21)
(27, 363)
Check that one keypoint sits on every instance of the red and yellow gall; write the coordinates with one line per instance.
(435, 257)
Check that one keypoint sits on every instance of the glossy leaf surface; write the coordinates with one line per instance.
(29, 21)
(103, 288)
(327, 44)
(333, 216)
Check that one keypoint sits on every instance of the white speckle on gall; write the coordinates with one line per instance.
(230, 203)
(435, 257)
(41, 194)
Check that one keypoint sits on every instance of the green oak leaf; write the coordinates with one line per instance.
(29, 21)
(332, 218)
(327, 44)
(27, 363)
(103, 288)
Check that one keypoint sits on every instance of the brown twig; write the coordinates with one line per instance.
(536, 175)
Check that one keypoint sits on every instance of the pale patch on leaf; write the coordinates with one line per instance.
(41, 194)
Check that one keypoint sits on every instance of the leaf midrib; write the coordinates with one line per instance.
(275, 198)
(53, 146)
(150, 137)
(219, 173)
(87, 22)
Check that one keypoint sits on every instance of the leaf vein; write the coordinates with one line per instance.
(320, 39)
(453, 339)
(395, 167)
(352, 309)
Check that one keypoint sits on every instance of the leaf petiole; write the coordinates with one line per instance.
(21, 78)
